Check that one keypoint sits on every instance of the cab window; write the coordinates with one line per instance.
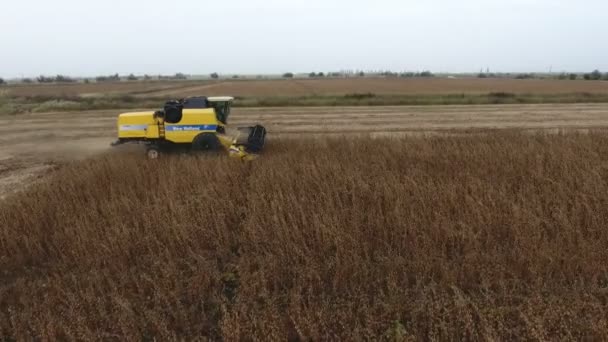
(222, 111)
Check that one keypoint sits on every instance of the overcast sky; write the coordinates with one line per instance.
(92, 37)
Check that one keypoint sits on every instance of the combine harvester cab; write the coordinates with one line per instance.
(197, 124)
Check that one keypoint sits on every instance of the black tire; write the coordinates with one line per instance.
(206, 142)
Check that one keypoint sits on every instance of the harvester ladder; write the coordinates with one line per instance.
(161, 129)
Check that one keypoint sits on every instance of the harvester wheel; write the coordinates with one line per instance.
(206, 142)
(152, 152)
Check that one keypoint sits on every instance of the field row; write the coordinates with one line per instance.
(312, 87)
(67, 127)
(478, 237)
(33, 143)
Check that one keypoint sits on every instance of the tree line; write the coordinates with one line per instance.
(595, 75)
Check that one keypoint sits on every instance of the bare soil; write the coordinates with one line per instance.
(307, 87)
(387, 86)
(33, 144)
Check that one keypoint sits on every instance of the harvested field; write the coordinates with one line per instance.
(36, 128)
(388, 86)
(309, 87)
(34, 142)
(479, 237)
(95, 89)
(365, 92)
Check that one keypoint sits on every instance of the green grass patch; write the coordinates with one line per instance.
(370, 99)
(17, 105)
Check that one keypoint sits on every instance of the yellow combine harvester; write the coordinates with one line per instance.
(191, 124)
